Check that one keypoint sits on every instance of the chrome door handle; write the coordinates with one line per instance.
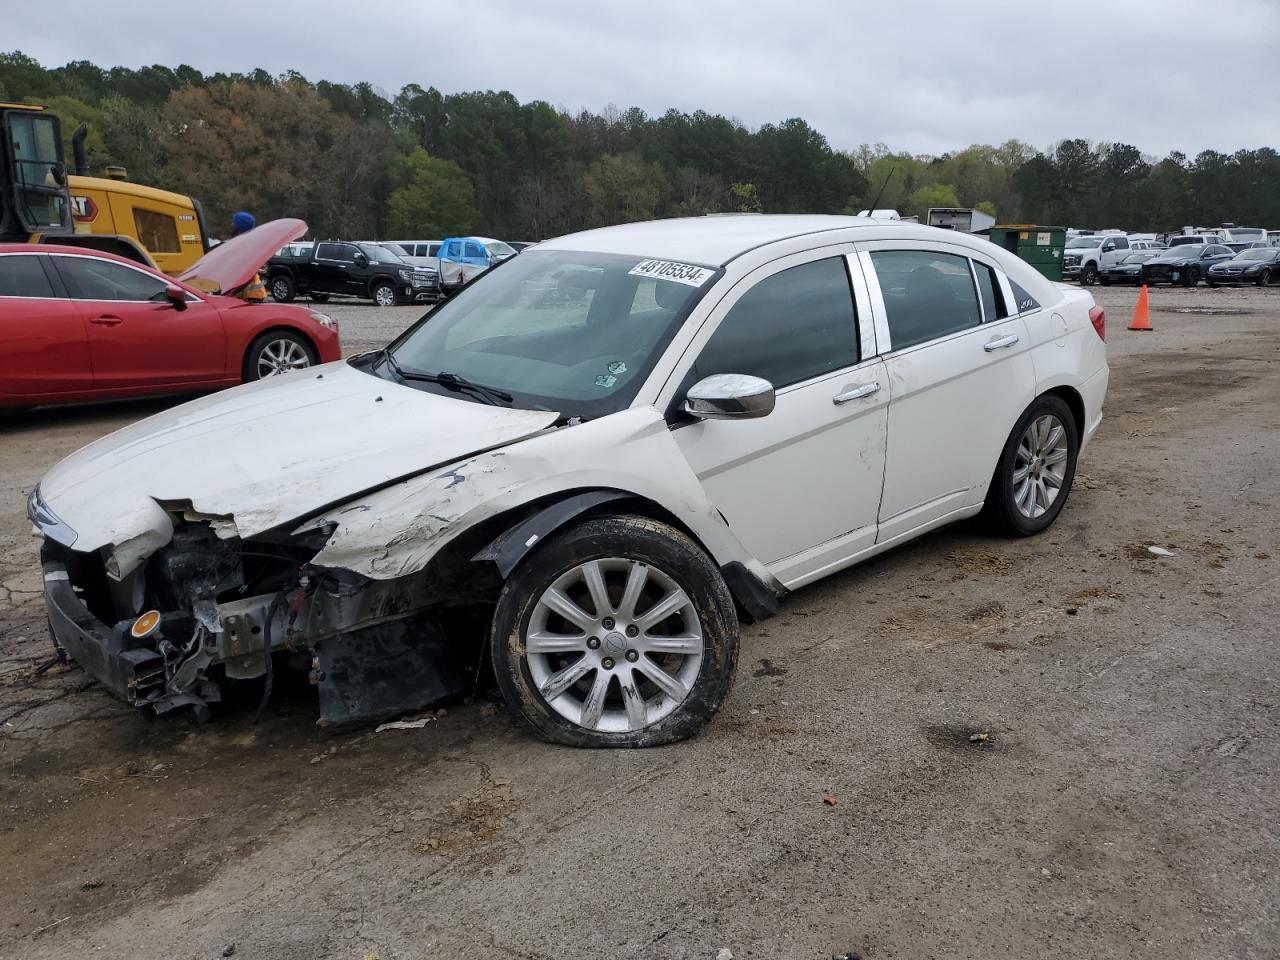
(1000, 342)
(856, 393)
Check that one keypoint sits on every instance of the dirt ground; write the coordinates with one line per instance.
(1125, 804)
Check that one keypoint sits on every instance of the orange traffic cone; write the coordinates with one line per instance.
(1141, 313)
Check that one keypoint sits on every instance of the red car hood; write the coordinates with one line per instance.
(232, 263)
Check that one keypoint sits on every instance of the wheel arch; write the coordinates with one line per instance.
(1074, 401)
(499, 544)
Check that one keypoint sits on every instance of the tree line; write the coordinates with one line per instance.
(355, 162)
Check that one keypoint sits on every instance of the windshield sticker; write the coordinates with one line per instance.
(606, 380)
(685, 273)
(617, 367)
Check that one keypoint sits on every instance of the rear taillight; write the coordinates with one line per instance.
(1098, 317)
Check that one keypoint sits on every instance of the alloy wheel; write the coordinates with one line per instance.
(384, 296)
(1040, 466)
(281, 356)
(614, 645)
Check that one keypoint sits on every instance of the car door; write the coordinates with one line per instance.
(475, 259)
(333, 268)
(1213, 254)
(137, 338)
(44, 349)
(961, 371)
(801, 486)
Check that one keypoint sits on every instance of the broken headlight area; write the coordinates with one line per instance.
(225, 606)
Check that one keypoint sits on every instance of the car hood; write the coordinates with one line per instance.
(266, 454)
(1177, 258)
(232, 263)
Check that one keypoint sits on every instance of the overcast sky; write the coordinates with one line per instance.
(921, 76)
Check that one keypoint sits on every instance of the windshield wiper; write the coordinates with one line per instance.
(450, 381)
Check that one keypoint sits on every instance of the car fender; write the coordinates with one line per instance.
(396, 532)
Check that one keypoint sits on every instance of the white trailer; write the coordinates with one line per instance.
(960, 218)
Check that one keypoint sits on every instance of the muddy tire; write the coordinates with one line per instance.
(282, 288)
(617, 632)
(1033, 476)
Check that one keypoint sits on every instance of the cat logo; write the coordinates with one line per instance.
(84, 210)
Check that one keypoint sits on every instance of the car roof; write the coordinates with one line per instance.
(715, 240)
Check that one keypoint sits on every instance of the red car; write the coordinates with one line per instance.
(79, 325)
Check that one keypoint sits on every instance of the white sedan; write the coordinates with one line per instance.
(592, 463)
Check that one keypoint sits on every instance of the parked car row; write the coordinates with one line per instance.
(1230, 255)
(1215, 263)
(387, 272)
(368, 270)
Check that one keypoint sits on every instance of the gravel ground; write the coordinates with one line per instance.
(1125, 803)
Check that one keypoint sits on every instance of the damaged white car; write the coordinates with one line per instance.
(592, 464)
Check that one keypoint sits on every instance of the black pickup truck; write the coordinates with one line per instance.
(334, 267)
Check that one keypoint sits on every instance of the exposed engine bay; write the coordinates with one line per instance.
(208, 608)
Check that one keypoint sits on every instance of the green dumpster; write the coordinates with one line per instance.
(1039, 246)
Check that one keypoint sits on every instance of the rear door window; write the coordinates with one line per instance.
(792, 326)
(22, 276)
(343, 252)
(926, 295)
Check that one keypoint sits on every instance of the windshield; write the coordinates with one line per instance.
(1258, 254)
(395, 248)
(377, 254)
(1078, 242)
(499, 249)
(1139, 257)
(558, 330)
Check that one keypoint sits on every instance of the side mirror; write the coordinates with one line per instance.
(361, 260)
(730, 396)
(177, 297)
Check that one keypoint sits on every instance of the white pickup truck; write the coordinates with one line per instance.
(1085, 257)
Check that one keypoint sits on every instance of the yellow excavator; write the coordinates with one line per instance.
(42, 202)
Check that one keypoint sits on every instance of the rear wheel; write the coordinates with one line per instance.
(276, 352)
(282, 288)
(1036, 467)
(620, 632)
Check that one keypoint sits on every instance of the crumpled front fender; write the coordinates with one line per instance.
(397, 531)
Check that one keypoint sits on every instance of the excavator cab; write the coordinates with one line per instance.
(34, 199)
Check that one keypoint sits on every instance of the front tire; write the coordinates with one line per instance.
(1033, 476)
(283, 289)
(276, 352)
(1264, 278)
(1089, 275)
(1191, 278)
(618, 632)
(383, 294)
